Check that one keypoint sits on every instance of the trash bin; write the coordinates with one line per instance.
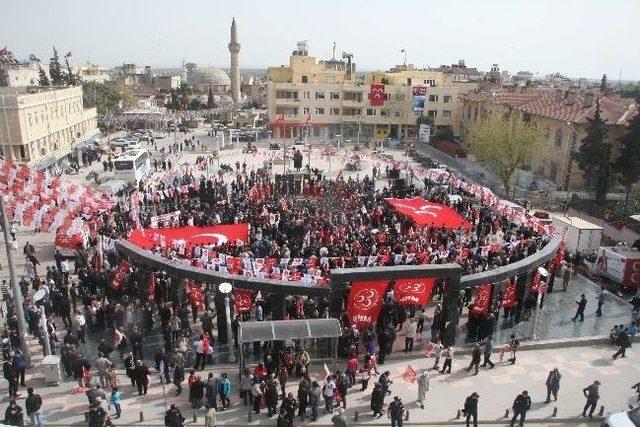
(51, 370)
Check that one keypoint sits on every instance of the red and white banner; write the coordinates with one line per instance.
(196, 298)
(377, 94)
(509, 296)
(242, 300)
(190, 236)
(425, 213)
(410, 374)
(365, 301)
(121, 273)
(413, 291)
(535, 281)
(481, 301)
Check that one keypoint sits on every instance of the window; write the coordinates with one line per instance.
(446, 99)
(306, 95)
(305, 79)
(371, 111)
(335, 111)
(384, 113)
(305, 110)
(432, 113)
(408, 81)
(433, 98)
(286, 94)
(558, 138)
(320, 111)
(446, 113)
(319, 95)
(335, 95)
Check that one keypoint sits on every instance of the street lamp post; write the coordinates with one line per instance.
(15, 288)
(568, 163)
(225, 288)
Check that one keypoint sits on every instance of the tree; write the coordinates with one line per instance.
(179, 97)
(43, 79)
(195, 104)
(108, 101)
(424, 120)
(4, 77)
(55, 70)
(628, 163)
(211, 103)
(593, 156)
(505, 144)
(603, 83)
(70, 78)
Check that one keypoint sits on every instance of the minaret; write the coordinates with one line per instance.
(234, 48)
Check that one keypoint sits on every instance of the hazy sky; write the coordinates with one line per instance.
(580, 38)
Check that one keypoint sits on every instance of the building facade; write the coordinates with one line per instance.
(323, 99)
(42, 125)
(562, 114)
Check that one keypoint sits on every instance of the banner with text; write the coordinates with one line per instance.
(365, 301)
(413, 291)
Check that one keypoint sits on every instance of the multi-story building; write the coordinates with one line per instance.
(562, 114)
(92, 73)
(20, 73)
(42, 125)
(323, 99)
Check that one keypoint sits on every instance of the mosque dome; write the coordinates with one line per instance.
(209, 75)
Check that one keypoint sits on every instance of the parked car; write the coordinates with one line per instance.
(158, 134)
(394, 143)
(630, 418)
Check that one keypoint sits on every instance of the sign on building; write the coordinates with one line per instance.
(424, 133)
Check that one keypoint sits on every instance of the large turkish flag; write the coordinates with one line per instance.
(377, 94)
(365, 300)
(242, 300)
(214, 235)
(425, 213)
(509, 296)
(413, 291)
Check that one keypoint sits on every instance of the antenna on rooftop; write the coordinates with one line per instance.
(333, 58)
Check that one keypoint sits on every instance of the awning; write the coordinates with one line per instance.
(279, 330)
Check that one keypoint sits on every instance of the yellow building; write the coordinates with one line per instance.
(323, 99)
(563, 116)
(42, 125)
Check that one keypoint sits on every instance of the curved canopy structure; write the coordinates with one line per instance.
(278, 330)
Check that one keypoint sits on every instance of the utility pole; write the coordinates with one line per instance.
(15, 288)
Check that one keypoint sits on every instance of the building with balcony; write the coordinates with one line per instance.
(42, 125)
(322, 99)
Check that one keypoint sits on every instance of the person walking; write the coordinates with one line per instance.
(103, 364)
(592, 393)
(173, 417)
(377, 400)
(256, 392)
(315, 394)
(211, 391)
(487, 349)
(624, 342)
(448, 360)
(437, 352)
(513, 345)
(115, 401)
(141, 373)
(581, 303)
(566, 276)
(423, 387)
(601, 298)
(396, 412)
(10, 374)
(471, 408)
(328, 390)
(520, 406)
(304, 388)
(178, 377)
(475, 359)
(225, 391)
(553, 384)
(34, 408)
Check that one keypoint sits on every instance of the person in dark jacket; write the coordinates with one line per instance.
(377, 400)
(624, 342)
(20, 365)
(80, 364)
(471, 408)
(581, 303)
(553, 384)
(592, 393)
(14, 415)
(97, 415)
(173, 417)
(140, 374)
(211, 391)
(178, 377)
(9, 372)
(33, 404)
(396, 412)
(271, 396)
(475, 359)
(520, 406)
(130, 368)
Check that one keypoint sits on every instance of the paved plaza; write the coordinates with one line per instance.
(497, 388)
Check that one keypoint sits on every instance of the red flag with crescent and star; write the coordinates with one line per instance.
(425, 213)
(365, 301)
(509, 296)
(377, 94)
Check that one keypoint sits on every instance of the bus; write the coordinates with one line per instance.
(132, 166)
